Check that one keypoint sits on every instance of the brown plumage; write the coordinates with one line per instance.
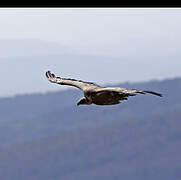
(95, 94)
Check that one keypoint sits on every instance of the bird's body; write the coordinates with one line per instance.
(104, 97)
(95, 94)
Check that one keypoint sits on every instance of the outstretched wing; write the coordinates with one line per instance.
(125, 92)
(70, 82)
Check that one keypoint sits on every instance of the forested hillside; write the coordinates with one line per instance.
(46, 136)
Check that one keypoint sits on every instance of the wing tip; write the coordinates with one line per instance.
(155, 93)
(49, 74)
(46, 74)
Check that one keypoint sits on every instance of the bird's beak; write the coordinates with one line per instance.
(78, 103)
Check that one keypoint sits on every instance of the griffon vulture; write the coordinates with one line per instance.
(95, 94)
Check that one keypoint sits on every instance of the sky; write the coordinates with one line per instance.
(134, 44)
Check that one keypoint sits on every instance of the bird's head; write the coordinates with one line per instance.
(83, 101)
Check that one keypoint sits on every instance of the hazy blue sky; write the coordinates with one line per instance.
(133, 45)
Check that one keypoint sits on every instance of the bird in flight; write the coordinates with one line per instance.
(95, 94)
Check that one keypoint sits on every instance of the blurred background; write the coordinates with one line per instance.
(44, 135)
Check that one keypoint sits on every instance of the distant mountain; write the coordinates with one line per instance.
(27, 60)
(29, 71)
(46, 136)
(30, 47)
(50, 113)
